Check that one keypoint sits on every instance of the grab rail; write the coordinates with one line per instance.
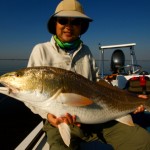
(35, 140)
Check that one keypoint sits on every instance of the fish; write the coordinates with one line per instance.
(59, 91)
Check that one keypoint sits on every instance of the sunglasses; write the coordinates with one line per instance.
(64, 21)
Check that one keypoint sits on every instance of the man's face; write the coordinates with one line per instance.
(68, 29)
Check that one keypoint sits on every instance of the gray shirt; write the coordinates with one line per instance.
(80, 61)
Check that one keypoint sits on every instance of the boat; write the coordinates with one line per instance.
(126, 76)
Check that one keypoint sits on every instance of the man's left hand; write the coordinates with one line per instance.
(141, 107)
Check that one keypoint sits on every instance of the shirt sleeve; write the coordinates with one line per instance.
(35, 58)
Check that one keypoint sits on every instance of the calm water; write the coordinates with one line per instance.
(7, 65)
(11, 65)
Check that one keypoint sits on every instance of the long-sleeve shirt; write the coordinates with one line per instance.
(79, 61)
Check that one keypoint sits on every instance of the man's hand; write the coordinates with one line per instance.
(141, 107)
(68, 119)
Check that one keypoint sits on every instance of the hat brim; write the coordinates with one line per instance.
(75, 14)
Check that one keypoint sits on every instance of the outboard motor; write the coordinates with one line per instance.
(117, 61)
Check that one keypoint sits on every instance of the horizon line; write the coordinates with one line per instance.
(95, 59)
(14, 58)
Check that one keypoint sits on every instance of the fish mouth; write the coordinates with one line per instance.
(11, 89)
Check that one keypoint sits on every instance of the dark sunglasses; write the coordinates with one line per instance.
(64, 21)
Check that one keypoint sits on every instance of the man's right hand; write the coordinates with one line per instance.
(68, 119)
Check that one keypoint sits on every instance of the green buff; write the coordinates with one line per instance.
(66, 45)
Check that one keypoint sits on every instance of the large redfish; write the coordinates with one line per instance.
(58, 91)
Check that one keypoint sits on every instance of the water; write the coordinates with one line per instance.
(7, 65)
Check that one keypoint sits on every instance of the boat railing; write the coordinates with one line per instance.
(36, 140)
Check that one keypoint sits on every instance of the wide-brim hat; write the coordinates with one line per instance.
(69, 8)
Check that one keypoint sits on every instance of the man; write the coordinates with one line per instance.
(67, 51)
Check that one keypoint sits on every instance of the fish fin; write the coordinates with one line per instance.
(73, 99)
(64, 130)
(126, 120)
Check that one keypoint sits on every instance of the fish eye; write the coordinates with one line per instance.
(18, 74)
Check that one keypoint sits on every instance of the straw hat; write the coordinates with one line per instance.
(69, 8)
